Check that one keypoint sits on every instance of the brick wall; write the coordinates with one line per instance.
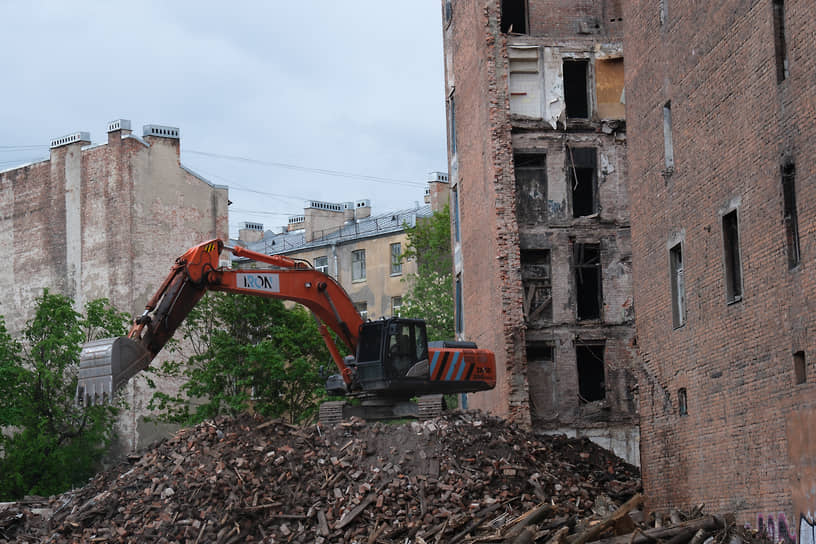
(732, 126)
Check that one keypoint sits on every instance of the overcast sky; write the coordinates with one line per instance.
(348, 86)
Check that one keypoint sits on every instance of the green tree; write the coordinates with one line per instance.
(430, 290)
(248, 353)
(50, 443)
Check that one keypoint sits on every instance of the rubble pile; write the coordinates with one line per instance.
(462, 478)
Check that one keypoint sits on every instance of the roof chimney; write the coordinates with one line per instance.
(160, 133)
(117, 129)
(77, 138)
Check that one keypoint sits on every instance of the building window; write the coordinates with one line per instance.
(664, 11)
(396, 259)
(396, 306)
(448, 11)
(460, 318)
(588, 292)
(799, 367)
(514, 16)
(456, 213)
(791, 220)
(321, 264)
(682, 401)
(358, 265)
(668, 145)
(678, 285)
(591, 373)
(780, 47)
(531, 188)
(525, 82)
(452, 124)
(362, 309)
(733, 264)
(583, 178)
(536, 283)
(576, 89)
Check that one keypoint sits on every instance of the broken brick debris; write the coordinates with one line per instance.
(462, 478)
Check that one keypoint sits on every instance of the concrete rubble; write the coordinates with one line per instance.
(460, 478)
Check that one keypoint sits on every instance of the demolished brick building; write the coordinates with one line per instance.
(103, 220)
(536, 146)
(720, 105)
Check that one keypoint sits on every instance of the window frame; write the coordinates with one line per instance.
(358, 256)
(396, 259)
(322, 268)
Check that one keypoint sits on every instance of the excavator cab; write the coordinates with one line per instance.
(391, 354)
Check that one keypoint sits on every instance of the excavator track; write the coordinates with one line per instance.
(331, 413)
(430, 406)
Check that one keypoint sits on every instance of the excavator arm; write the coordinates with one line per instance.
(107, 364)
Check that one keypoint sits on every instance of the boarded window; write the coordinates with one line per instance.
(321, 264)
(358, 265)
(678, 285)
(591, 372)
(668, 144)
(537, 284)
(609, 88)
(514, 16)
(581, 169)
(733, 264)
(588, 294)
(780, 47)
(531, 188)
(790, 216)
(525, 82)
(542, 380)
(576, 90)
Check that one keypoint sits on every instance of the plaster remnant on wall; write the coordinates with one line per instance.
(553, 87)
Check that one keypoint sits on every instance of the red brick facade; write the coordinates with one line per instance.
(741, 118)
(520, 234)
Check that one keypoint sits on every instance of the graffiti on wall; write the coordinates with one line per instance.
(777, 528)
(807, 529)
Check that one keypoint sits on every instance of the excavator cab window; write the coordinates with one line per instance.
(406, 349)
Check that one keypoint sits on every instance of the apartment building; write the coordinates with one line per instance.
(537, 149)
(363, 252)
(722, 155)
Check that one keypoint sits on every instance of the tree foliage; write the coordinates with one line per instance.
(49, 443)
(248, 353)
(430, 290)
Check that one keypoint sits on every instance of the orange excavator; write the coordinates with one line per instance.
(392, 362)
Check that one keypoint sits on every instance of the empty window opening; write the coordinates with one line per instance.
(460, 307)
(531, 188)
(682, 401)
(733, 265)
(588, 294)
(799, 368)
(668, 144)
(581, 167)
(780, 47)
(536, 282)
(576, 93)
(791, 220)
(514, 16)
(591, 373)
(678, 285)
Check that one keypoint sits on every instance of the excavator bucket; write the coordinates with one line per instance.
(105, 365)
